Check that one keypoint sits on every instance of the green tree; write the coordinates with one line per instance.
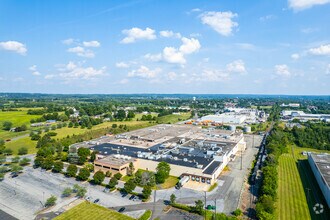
(7, 151)
(83, 174)
(129, 186)
(6, 125)
(2, 146)
(113, 182)
(67, 192)
(71, 170)
(146, 192)
(51, 201)
(117, 176)
(163, 172)
(25, 161)
(81, 192)
(131, 169)
(47, 163)
(114, 125)
(22, 151)
(2, 159)
(98, 177)
(172, 199)
(15, 159)
(93, 156)
(58, 167)
(108, 174)
(14, 168)
(199, 206)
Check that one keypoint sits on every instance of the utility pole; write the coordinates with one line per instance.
(308, 189)
(241, 158)
(204, 205)
(215, 204)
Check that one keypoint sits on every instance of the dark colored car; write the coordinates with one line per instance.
(132, 197)
(121, 209)
(96, 200)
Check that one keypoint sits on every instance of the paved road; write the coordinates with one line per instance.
(6, 216)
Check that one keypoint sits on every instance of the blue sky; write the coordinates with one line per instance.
(168, 46)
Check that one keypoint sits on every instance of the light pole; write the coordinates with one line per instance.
(43, 198)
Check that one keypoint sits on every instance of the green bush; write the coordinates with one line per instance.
(146, 215)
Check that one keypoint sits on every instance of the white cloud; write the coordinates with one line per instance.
(144, 72)
(34, 70)
(50, 76)
(282, 70)
(189, 45)
(171, 76)
(124, 81)
(93, 43)
(173, 55)
(221, 22)
(195, 10)
(237, 66)
(298, 5)
(295, 56)
(14, 46)
(308, 30)
(72, 71)
(153, 57)
(321, 50)
(68, 41)
(214, 75)
(82, 52)
(167, 33)
(122, 65)
(135, 34)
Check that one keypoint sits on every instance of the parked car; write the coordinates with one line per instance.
(96, 200)
(132, 197)
(121, 209)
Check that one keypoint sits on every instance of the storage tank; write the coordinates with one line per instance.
(232, 127)
(247, 129)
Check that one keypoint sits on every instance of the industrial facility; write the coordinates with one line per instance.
(320, 165)
(193, 153)
(302, 116)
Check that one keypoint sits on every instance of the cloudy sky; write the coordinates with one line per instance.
(165, 46)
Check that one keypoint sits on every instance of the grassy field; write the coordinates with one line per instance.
(295, 180)
(292, 203)
(63, 132)
(173, 118)
(17, 117)
(170, 182)
(90, 211)
(22, 142)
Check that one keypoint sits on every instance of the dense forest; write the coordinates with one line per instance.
(312, 135)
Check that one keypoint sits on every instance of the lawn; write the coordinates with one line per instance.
(292, 203)
(170, 182)
(22, 142)
(18, 118)
(295, 180)
(173, 118)
(90, 211)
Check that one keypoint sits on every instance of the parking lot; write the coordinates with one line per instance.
(23, 196)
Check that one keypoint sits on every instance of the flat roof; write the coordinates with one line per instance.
(114, 160)
(212, 167)
(322, 162)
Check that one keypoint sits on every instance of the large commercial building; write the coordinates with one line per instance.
(200, 154)
(320, 165)
(300, 115)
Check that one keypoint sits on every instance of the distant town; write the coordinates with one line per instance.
(160, 157)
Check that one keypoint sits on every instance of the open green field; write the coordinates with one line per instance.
(173, 118)
(170, 182)
(295, 180)
(22, 142)
(18, 118)
(91, 211)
